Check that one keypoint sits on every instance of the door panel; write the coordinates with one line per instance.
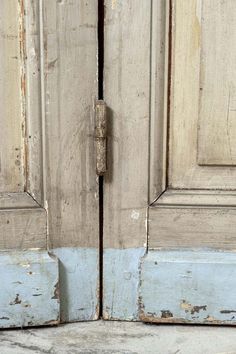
(202, 96)
(217, 106)
(179, 55)
(49, 192)
(11, 62)
(192, 221)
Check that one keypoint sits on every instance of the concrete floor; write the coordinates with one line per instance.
(119, 337)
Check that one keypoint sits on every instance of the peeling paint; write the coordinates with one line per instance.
(28, 307)
(168, 297)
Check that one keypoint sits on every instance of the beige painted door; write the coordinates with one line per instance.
(173, 175)
(48, 186)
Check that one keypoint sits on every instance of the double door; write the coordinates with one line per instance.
(154, 239)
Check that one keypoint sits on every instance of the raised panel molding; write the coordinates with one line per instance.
(187, 100)
(217, 106)
(193, 219)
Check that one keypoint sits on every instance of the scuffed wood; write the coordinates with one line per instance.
(23, 228)
(70, 57)
(126, 92)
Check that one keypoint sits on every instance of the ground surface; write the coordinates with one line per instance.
(120, 337)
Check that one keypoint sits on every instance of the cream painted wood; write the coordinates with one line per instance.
(70, 89)
(192, 227)
(199, 197)
(34, 104)
(50, 49)
(12, 120)
(17, 200)
(23, 228)
(217, 106)
(198, 207)
(126, 92)
(186, 74)
(158, 98)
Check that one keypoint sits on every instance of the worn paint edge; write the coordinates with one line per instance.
(121, 283)
(79, 283)
(29, 289)
(172, 280)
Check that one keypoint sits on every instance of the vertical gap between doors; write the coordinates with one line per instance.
(100, 32)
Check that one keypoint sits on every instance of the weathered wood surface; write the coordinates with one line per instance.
(17, 200)
(70, 66)
(29, 293)
(217, 113)
(188, 48)
(199, 197)
(158, 98)
(23, 228)
(188, 287)
(34, 102)
(126, 92)
(11, 91)
(192, 226)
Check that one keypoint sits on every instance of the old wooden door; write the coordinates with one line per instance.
(49, 193)
(170, 200)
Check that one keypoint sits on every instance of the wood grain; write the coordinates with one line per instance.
(11, 91)
(184, 171)
(158, 97)
(126, 92)
(192, 226)
(217, 113)
(23, 228)
(34, 105)
(70, 66)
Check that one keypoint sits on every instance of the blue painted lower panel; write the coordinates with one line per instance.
(121, 283)
(79, 283)
(188, 287)
(29, 289)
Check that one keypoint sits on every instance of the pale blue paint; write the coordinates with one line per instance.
(79, 283)
(121, 283)
(175, 282)
(28, 282)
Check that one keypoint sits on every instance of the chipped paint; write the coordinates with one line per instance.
(20, 303)
(169, 294)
